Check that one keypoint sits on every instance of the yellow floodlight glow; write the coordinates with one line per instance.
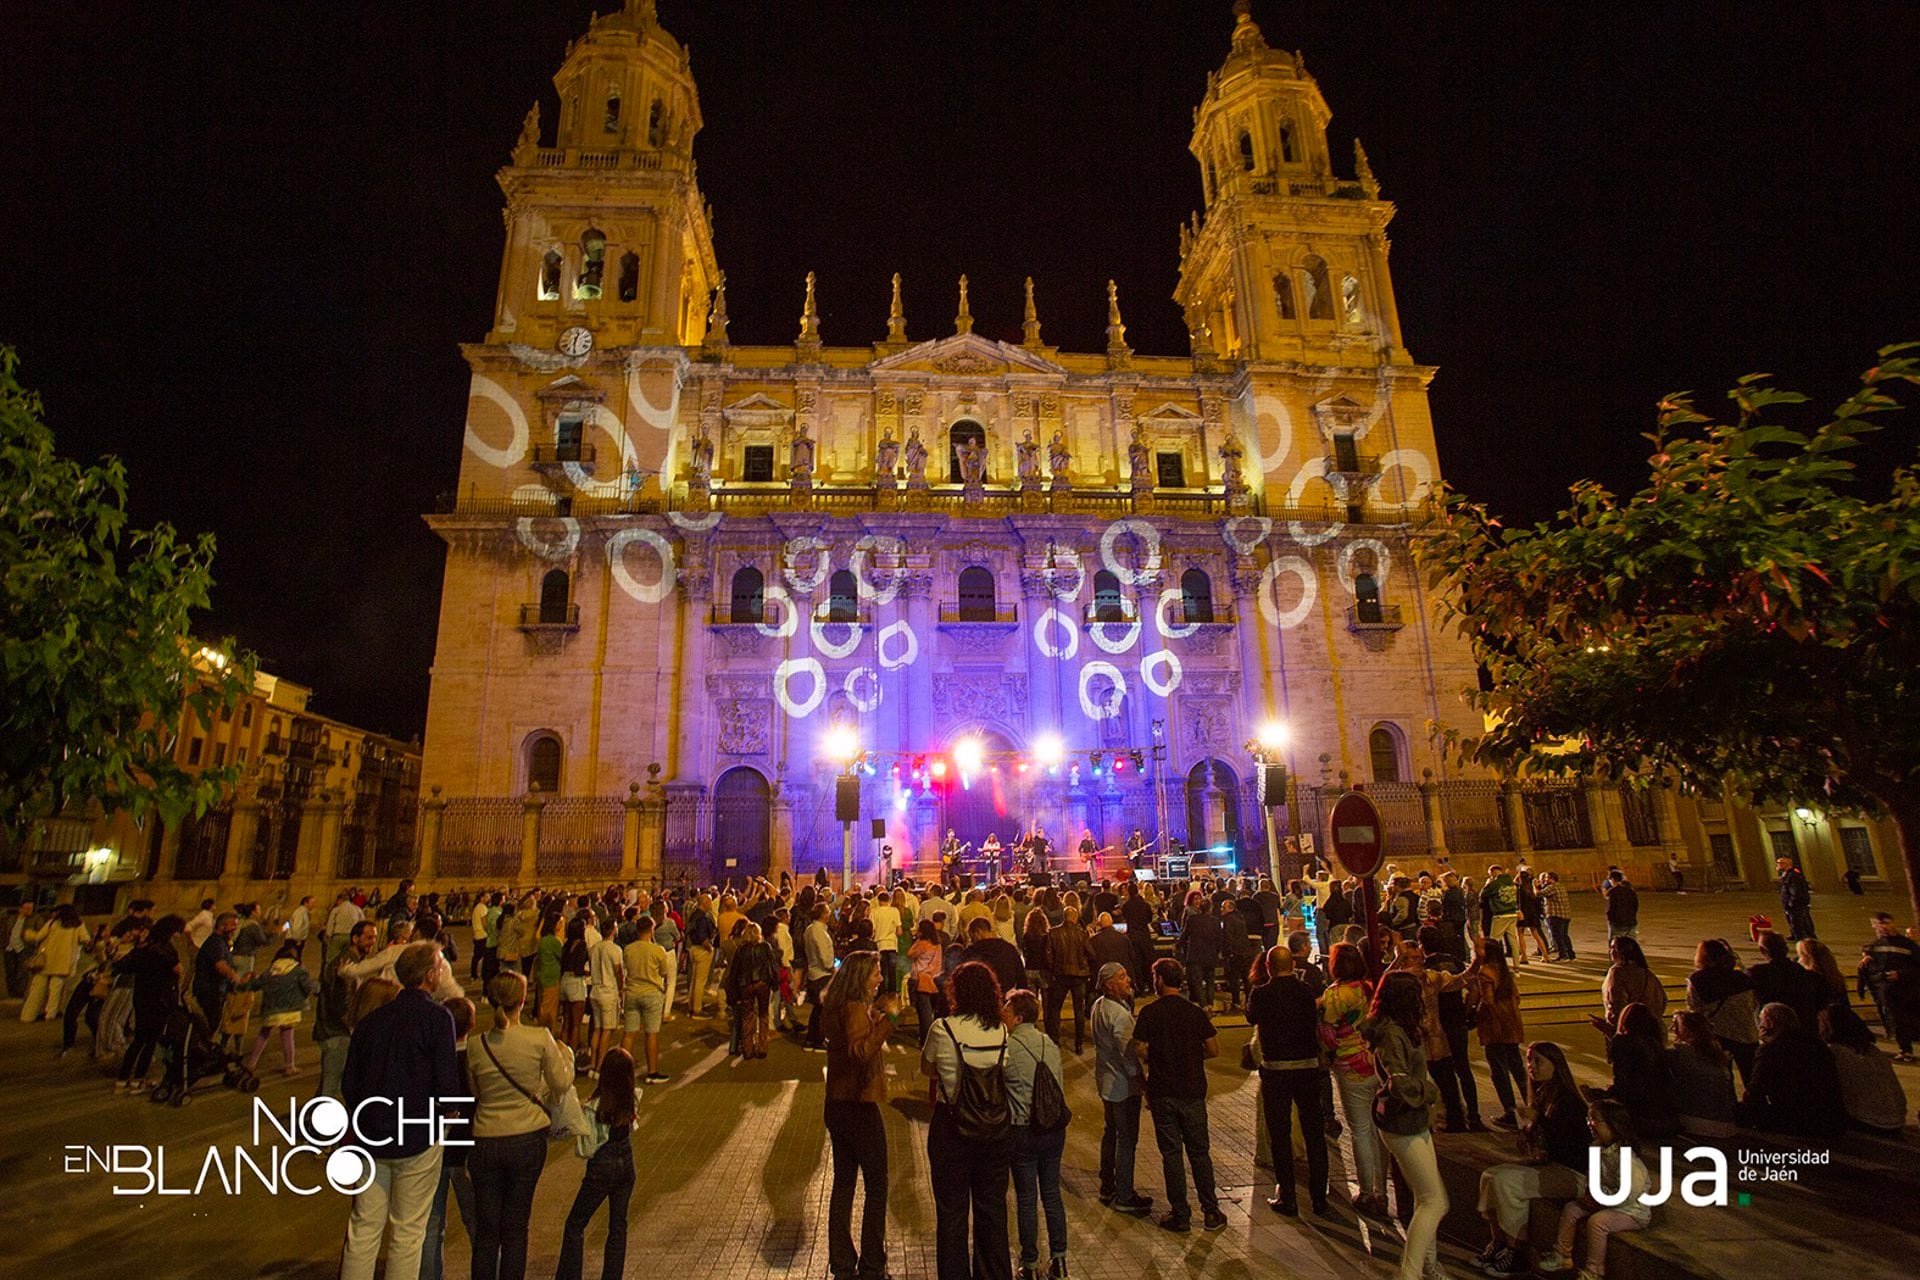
(842, 743)
(1272, 735)
(969, 755)
(1049, 750)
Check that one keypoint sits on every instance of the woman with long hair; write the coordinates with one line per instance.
(1719, 991)
(924, 962)
(1343, 1007)
(546, 971)
(858, 1019)
(154, 969)
(573, 984)
(1612, 1131)
(1815, 956)
(1404, 1110)
(1003, 926)
(1036, 946)
(1036, 1152)
(1642, 1080)
(1702, 1076)
(609, 1172)
(1554, 1144)
(516, 1072)
(966, 1050)
(1496, 1001)
(1529, 894)
(1629, 980)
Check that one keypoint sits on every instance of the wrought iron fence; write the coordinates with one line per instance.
(203, 845)
(1474, 816)
(1642, 814)
(1557, 817)
(480, 837)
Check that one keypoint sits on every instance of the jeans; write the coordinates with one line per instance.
(333, 1066)
(1369, 1156)
(923, 1014)
(1509, 1074)
(609, 1177)
(1118, 1142)
(1036, 1181)
(139, 1056)
(453, 1177)
(1800, 924)
(1414, 1154)
(505, 1172)
(83, 1001)
(400, 1197)
(858, 1136)
(1446, 1074)
(1600, 1225)
(1469, 1090)
(969, 1181)
(1062, 986)
(1200, 984)
(1180, 1124)
(1280, 1093)
(1560, 928)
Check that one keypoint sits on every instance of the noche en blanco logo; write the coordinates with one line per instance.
(317, 1128)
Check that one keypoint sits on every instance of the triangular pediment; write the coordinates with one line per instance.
(966, 355)
(1171, 412)
(571, 387)
(758, 407)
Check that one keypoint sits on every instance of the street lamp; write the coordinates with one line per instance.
(1267, 747)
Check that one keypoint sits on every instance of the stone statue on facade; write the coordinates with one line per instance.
(529, 140)
(1231, 474)
(973, 463)
(803, 459)
(1027, 461)
(702, 461)
(916, 462)
(1058, 460)
(886, 458)
(1137, 461)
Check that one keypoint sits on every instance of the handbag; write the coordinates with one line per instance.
(566, 1117)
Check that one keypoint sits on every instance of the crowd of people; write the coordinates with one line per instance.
(980, 980)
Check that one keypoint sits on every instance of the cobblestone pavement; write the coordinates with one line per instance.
(732, 1160)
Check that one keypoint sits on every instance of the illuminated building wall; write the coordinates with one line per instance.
(670, 549)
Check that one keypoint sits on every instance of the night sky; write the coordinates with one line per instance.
(240, 242)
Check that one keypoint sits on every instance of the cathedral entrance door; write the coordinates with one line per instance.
(742, 824)
(994, 804)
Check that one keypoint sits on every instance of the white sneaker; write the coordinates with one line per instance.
(1551, 1262)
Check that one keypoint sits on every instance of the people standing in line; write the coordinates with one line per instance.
(1718, 990)
(1796, 899)
(1403, 1113)
(857, 1017)
(1286, 1022)
(1629, 980)
(517, 1073)
(1623, 906)
(970, 1139)
(1500, 907)
(1118, 1078)
(1037, 1149)
(402, 1054)
(1173, 1038)
(609, 1173)
(1496, 1004)
(643, 999)
(1890, 972)
(1553, 1163)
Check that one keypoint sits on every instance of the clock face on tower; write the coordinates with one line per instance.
(576, 341)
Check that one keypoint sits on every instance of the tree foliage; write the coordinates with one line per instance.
(96, 647)
(1748, 618)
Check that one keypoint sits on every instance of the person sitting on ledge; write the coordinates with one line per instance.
(1702, 1078)
(1642, 1081)
(1795, 1086)
(1868, 1086)
(1553, 1150)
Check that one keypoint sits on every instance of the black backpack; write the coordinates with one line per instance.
(1048, 1112)
(982, 1112)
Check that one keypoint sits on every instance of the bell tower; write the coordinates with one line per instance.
(606, 227)
(1288, 261)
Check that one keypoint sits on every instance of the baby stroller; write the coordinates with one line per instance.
(190, 1054)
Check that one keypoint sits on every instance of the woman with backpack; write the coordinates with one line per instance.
(970, 1142)
(1039, 1111)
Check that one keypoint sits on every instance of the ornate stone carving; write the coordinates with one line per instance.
(739, 686)
(983, 695)
(916, 402)
(743, 641)
(746, 726)
(967, 362)
(978, 638)
(1027, 461)
(1206, 723)
(916, 462)
(975, 552)
(1217, 683)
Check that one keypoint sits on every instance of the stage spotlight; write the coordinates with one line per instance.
(842, 744)
(938, 768)
(1049, 750)
(1139, 759)
(1119, 764)
(969, 755)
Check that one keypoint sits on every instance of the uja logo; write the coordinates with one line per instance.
(267, 1163)
(1702, 1187)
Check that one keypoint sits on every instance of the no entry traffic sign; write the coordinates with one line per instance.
(1357, 833)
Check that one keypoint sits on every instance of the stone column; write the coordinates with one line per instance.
(433, 811)
(1672, 843)
(1430, 807)
(696, 591)
(241, 832)
(653, 829)
(1254, 676)
(530, 807)
(311, 852)
(780, 855)
(630, 833)
(1607, 823)
(1043, 673)
(918, 590)
(1516, 817)
(1383, 286)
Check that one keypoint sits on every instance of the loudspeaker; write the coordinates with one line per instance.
(1041, 879)
(879, 828)
(1080, 880)
(1273, 785)
(846, 800)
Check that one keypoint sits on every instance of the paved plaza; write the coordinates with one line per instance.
(732, 1156)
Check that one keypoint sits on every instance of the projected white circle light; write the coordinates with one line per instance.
(1098, 633)
(1147, 534)
(1053, 617)
(1115, 696)
(863, 688)
(1173, 596)
(489, 390)
(1244, 533)
(789, 613)
(815, 631)
(1160, 658)
(908, 652)
(892, 578)
(1382, 561)
(560, 548)
(783, 675)
(645, 592)
(1299, 568)
(799, 549)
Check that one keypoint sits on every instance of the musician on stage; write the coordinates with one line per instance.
(1089, 851)
(990, 850)
(1136, 847)
(950, 851)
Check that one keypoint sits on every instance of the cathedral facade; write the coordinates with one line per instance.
(686, 578)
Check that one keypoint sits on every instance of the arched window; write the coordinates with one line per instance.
(550, 275)
(1283, 295)
(964, 430)
(593, 263)
(1246, 151)
(749, 596)
(1106, 597)
(977, 601)
(1319, 297)
(1286, 142)
(543, 763)
(1350, 302)
(629, 276)
(613, 112)
(656, 123)
(554, 590)
(843, 597)
(1383, 746)
(1366, 598)
(1196, 595)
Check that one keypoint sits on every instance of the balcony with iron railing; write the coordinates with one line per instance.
(1365, 466)
(547, 616)
(1374, 617)
(952, 613)
(554, 455)
(274, 745)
